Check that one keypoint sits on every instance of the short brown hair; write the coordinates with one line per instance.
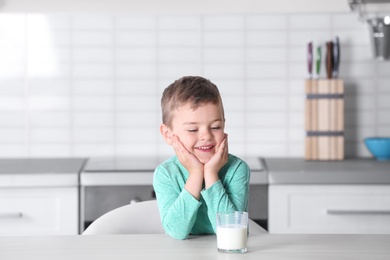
(194, 90)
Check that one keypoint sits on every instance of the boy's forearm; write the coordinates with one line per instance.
(210, 178)
(194, 184)
(178, 213)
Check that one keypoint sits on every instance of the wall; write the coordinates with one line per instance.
(175, 6)
(90, 84)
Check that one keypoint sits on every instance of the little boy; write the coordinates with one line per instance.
(203, 178)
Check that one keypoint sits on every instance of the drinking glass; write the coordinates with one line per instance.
(232, 232)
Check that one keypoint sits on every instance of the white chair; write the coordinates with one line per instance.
(255, 228)
(139, 218)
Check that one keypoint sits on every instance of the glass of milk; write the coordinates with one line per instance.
(232, 232)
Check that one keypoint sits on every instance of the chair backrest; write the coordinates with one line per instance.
(139, 218)
(255, 228)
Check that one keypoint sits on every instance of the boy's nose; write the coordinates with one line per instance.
(206, 135)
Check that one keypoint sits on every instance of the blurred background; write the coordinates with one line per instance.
(84, 78)
(80, 89)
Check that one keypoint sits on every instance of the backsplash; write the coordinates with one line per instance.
(90, 85)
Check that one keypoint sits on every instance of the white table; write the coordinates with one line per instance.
(262, 246)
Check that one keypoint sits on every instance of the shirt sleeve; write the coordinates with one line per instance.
(230, 194)
(178, 208)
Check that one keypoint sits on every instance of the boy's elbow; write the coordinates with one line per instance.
(179, 236)
(176, 235)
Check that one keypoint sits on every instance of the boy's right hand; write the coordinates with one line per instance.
(193, 166)
(186, 158)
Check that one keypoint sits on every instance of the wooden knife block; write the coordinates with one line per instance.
(324, 119)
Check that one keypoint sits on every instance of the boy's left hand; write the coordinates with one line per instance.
(219, 159)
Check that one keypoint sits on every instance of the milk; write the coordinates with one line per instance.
(231, 237)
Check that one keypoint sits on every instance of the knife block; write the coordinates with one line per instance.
(324, 119)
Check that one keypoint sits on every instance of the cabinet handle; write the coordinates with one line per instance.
(356, 212)
(11, 215)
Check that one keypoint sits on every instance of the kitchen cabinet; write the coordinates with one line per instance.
(59, 196)
(39, 196)
(39, 211)
(332, 209)
(347, 197)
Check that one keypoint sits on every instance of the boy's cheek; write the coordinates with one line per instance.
(184, 142)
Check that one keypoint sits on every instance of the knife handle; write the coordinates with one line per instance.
(336, 57)
(318, 61)
(310, 58)
(329, 59)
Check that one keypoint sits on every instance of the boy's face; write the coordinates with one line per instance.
(201, 131)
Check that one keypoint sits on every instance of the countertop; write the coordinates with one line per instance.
(161, 246)
(139, 171)
(349, 171)
(40, 172)
(139, 164)
(122, 164)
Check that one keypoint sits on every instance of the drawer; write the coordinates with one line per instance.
(39, 211)
(329, 209)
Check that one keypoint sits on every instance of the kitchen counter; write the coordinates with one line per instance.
(39, 196)
(349, 171)
(40, 172)
(119, 171)
(139, 171)
(104, 182)
(161, 246)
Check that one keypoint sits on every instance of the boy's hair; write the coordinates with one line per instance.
(193, 90)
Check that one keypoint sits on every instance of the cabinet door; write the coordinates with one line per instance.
(39, 211)
(341, 209)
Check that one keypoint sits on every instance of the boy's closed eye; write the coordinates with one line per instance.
(212, 128)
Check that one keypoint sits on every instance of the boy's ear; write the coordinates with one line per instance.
(166, 133)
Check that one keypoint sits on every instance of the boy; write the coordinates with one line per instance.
(203, 178)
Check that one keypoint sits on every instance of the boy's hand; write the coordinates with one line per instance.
(212, 167)
(193, 166)
(187, 159)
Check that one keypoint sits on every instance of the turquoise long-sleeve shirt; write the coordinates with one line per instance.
(182, 214)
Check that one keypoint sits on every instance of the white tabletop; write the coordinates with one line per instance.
(262, 246)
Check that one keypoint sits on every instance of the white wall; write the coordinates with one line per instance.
(175, 6)
(89, 85)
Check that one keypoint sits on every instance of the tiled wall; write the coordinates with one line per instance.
(89, 85)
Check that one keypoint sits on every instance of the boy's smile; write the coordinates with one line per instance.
(205, 148)
(201, 131)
